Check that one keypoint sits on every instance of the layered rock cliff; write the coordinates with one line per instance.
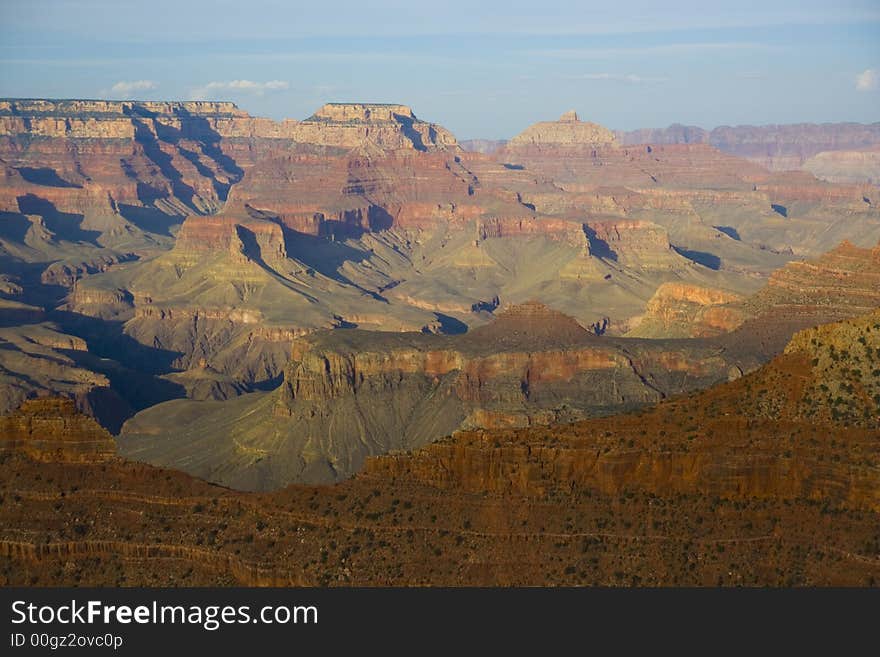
(349, 394)
(50, 429)
(37, 358)
(756, 437)
(842, 283)
(348, 125)
(846, 166)
(345, 124)
(581, 157)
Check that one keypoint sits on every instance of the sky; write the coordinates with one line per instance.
(482, 69)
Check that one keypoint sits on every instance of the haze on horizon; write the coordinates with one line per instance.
(482, 70)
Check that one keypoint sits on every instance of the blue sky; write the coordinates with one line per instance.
(482, 69)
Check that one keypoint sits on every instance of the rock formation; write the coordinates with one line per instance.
(350, 394)
(36, 358)
(569, 130)
(348, 125)
(743, 484)
(688, 311)
(50, 429)
(287, 301)
(842, 283)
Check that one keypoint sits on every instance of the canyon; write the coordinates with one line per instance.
(263, 302)
(350, 350)
(760, 481)
(347, 395)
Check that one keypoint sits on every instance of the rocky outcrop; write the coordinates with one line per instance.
(845, 366)
(349, 125)
(555, 229)
(39, 359)
(843, 283)
(840, 284)
(51, 429)
(637, 244)
(688, 311)
(469, 464)
(569, 130)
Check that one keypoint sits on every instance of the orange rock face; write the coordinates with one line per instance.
(678, 310)
(52, 430)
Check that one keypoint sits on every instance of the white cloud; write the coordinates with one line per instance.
(213, 89)
(126, 87)
(867, 80)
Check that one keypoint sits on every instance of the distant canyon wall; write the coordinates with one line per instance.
(782, 147)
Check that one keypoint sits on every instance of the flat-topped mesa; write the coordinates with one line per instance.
(108, 119)
(242, 237)
(636, 243)
(388, 126)
(337, 125)
(364, 112)
(51, 429)
(50, 107)
(569, 130)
